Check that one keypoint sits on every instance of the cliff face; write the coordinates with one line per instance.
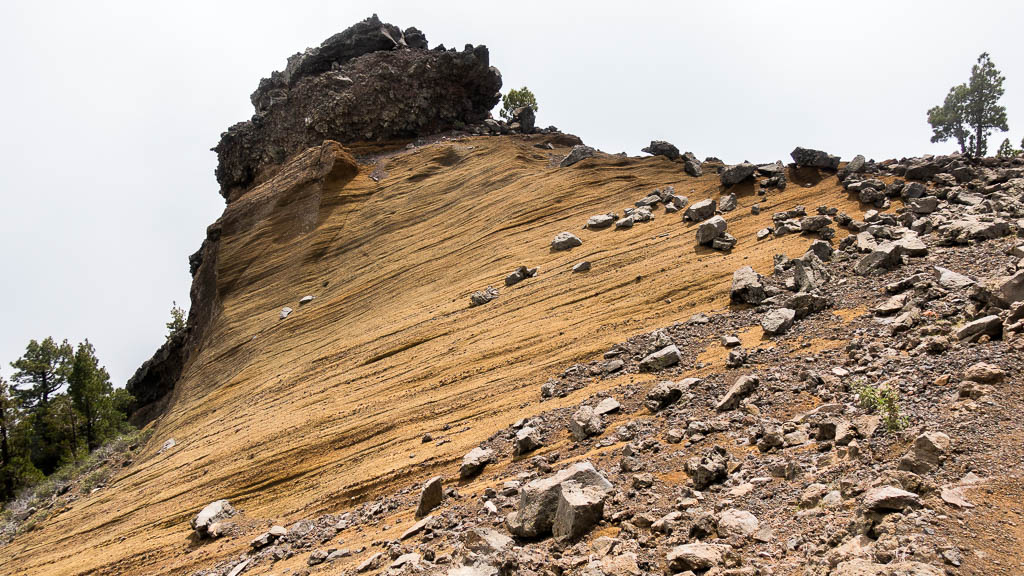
(371, 82)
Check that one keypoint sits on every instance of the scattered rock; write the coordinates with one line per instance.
(538, 500)
(664, 358)
(430, 496)
(578, 153)
(211, 514)
(481, 297)
(737, 173)
(814, 158)
(474, 462)
(565, 241)
(777, 321)
(742, 388)
(662, 148)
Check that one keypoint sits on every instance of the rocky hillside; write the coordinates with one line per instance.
(499, 351)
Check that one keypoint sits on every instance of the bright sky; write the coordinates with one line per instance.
(110, 109)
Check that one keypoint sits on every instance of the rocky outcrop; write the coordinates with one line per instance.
(371, 82)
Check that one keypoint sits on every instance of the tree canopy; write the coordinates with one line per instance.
(517, 99)
(971, 111)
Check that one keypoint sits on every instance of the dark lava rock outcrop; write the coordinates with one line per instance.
(373, 82)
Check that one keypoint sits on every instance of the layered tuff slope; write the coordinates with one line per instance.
(326, 408)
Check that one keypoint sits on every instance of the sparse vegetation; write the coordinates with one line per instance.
(177, 323)
(971, 111)
(884, 400)
(59, 407)
(1006, 149)
(517, 99)
(34, 502)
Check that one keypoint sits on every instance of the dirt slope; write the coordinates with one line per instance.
(326, 408)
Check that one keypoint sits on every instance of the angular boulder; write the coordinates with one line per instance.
(662, 148)
(210, 515)
(710, 229)
(430, 496)
(732, 175)
(814, 158)
(538, 500)
(664, 358)
(740, 389)
(777, 321)
(579, 509)
(747, 287)
(700, 211)
(578, 153)
(565, 241)
(474, 462)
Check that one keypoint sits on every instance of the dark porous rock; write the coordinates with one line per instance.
(662, 148)
(814, 158)
(367, 83)
(526, 117)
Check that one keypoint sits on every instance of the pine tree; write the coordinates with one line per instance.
(177, 323)
(42, 371)
(971, 111)
(89, 388)
(517, 99)
(7, 479)
(44, 368)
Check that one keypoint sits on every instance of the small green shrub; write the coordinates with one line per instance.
(885, 400)
(517, 99)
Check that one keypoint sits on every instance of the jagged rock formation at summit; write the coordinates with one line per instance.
(371, 82)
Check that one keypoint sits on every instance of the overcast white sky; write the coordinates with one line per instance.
(110, 109)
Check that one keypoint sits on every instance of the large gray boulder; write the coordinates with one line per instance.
(666, 393)
(662, 148)
(527, 440)
(667, 356)
(710, 229)
(814, 158)
(777, 321)
(747, 287)
(890, 499)
(601, 221)
(538, 500)
(474, 462)
(700, 211)
(691, 165)
(430, 496)
(579, 509)
(886, 256)
(213, 512)
(481, 297)
(700, 557)
(737, 173)
(926, 453)
(565, 241)
(585, 423)
(740, 389)
(991, 326)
